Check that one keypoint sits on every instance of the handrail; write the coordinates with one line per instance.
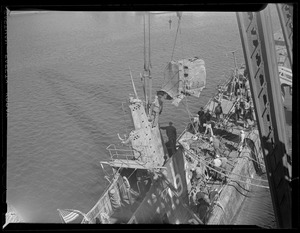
(114, 152)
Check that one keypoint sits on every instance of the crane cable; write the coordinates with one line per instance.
(144, 43)
(178, 25)
(149, 52)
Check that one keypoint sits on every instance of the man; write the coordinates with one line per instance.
(156, 109)
(251, 109)
(247, 114)
(207, 115)
(242, 142)
(208, 127)
(220, 165)
(192, 127)
(218, 111)
(172, 136)
(238, 111)
(247, 87)
(201, 117)
(215, 143)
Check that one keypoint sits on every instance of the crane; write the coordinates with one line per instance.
(258, 44)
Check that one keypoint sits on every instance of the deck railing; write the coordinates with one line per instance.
(120, 153)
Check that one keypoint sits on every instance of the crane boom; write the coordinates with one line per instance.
(285, 12)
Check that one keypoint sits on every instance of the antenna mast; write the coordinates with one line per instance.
(147, 65)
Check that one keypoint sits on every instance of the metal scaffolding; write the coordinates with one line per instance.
(260, 56)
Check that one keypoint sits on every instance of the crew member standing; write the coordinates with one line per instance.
(221, 166)
(208, 128)
(237, 112)
(218, 112)
(247, 114)
(156, 109)
(201, 118)
(215, 142)
(172, 135)
(242, 142)
(247, 87)
(207, 115)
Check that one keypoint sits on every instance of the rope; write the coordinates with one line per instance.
(189, 113)
(170, 80)
(252, 159)
(145, 68)
(205, 164)
(149, 64)
(248, 196)
(175, 38)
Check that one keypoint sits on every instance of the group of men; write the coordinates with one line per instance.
(219, 162)
(219, 165)
(244, 109)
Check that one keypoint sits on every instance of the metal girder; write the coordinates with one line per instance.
(260, 56)
(285, 12)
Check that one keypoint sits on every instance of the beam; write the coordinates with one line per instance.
(260, 57)
(285, 13)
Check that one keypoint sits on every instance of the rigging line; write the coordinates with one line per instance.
(257, 185)
(149, 61)
(189, 113)
(145, 68)
(172, 79)
(175, 38)
(113, 178)
(248, 196)
(122, 181)
(131, 173)
(171, 87)
(245, 156)
(186, 107)
(181, 44)
(206, 162)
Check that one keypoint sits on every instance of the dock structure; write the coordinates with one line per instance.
(259, 52)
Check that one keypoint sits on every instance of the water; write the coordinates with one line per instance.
(67, 77)
(257, 208)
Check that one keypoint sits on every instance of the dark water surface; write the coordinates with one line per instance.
(67, 77)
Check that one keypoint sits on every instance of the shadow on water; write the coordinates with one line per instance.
(280, 173)
(56, 82)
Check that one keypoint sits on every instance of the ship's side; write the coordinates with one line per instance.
(147, 189)
(243, 163)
